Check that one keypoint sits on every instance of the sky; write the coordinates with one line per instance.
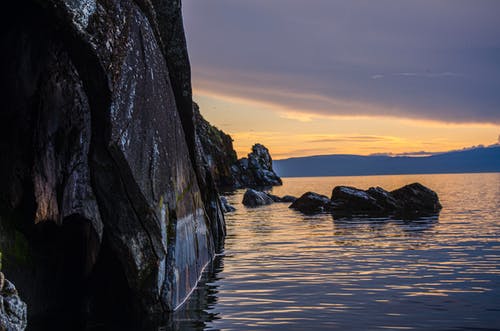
(314, 77)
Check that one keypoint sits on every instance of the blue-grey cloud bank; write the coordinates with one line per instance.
(437, 60)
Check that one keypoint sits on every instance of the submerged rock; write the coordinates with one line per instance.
(253, 198)
(13, 311)
(417, 199)
(312, 203)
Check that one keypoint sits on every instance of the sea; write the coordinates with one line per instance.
(282, 270)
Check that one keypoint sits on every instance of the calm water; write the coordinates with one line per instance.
(282, 270)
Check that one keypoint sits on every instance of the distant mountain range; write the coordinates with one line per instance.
(484, 159)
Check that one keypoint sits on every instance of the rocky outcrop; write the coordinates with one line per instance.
(226, 207)
(256, 170)
(106, 201)
(217, 149)
(350, 200)
(417, 199)
(13, 311)
(218, 155)
(286, 198)
(312, 203)
(253, 198)
(409, 201)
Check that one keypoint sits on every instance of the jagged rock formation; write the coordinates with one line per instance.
(106, 204)
(217, 148)
(228, 172)
(13, 311)
(256, 170)
(412, 200)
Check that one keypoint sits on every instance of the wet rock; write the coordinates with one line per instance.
(384, 198)
(256, 170)
(416, 199)
(275, 198)
(286, 198)
(226, 207)
(13, 311)
(412, 200)
(312, 203)
(350, 200)
(253, 198)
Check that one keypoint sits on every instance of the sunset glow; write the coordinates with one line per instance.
(344, 77)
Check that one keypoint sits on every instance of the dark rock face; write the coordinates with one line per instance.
(417, 199)
(217, 149)
(218, 157)
(104, 185)
(352, 200)
(409, 201)
(312, 203)
(384, 199)
(13, 311)
(256, 170)
(253, 198)
(226, 207)
(286, 198)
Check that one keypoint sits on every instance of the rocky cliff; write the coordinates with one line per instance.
(107, 208)
(255, 170)
(217, 148)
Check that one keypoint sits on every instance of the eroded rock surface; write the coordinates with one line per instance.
(13, 311)
(106, 197)
(256, 170)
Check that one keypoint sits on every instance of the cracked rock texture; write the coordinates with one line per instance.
(13, 311)
(107, 206)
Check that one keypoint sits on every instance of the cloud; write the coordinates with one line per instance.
(432, 60)
(351, 139)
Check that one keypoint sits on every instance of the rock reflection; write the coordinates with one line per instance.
(196, 312)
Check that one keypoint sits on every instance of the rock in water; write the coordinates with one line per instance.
(256, 170)
(13, 311)
(253, 198)
(288, 198)
(384, 198)
(103, 185)
(416, 199)
(350, 200)
(409, 201)
(226, 207)
(312, 203)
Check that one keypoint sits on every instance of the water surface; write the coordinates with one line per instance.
(282, 270)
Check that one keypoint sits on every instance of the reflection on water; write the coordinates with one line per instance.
(286, 271)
